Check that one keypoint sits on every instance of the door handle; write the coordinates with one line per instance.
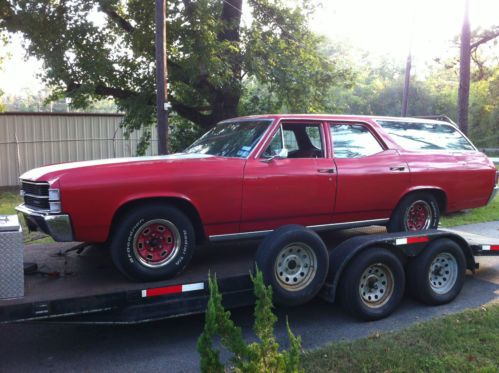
(397, 168)
(326, 170)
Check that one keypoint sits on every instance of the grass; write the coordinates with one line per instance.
(466, 342)
(9, 199)
(480, 215)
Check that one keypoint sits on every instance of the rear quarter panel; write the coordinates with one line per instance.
(467, 178)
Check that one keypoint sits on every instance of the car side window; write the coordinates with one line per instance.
(353, 141)
(301, 140)
(275, 145)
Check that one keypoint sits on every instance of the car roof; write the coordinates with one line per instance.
(338, 117)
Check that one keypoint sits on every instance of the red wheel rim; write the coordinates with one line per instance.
(156, 242)
(418, 216)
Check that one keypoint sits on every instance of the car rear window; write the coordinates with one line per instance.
(426, 136)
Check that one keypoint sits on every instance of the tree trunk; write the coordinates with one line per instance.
(464, 72)
(407, 82)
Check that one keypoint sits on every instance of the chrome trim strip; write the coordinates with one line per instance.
(349, 224)
(35, 196)
(31, 211)
(317, 228)
(44, 183)
(238, 236)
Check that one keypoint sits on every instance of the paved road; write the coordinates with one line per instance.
(170, 345)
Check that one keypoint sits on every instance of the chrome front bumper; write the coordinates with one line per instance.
(493, 195)
(58, 226)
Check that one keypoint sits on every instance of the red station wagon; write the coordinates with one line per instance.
(248, 176)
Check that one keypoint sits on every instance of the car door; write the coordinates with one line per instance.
(371, 178)
(299, 188)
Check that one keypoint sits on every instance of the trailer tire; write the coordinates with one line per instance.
(436, 276)
(416, 211)
(294, 262)
(372, 284)
(153, 242)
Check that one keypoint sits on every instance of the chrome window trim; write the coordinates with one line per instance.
(318, 228)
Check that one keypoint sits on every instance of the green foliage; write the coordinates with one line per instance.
(464, 342)
(182, 133)
(262, 356)
(105, 49)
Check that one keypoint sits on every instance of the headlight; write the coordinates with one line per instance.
(55, 207)
(54, 195)
(55, 201)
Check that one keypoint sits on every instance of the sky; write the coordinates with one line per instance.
(383, 27)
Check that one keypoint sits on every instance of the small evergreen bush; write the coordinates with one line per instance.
(262, 356)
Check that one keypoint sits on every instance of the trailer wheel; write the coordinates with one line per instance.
(153, 242)
(436, 276)
(294, 261)
(415, 212)
(372, 285)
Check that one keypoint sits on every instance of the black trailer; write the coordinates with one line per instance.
(80, 284)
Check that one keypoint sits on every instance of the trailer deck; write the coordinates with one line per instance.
(86, 284)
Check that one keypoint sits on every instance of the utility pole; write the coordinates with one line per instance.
(161, 77)
(407, 82)
(464, 71)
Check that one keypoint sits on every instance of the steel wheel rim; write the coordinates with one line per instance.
(376, 285)
(295, 266)
(418, 216)
(443, 273)
(156, 243)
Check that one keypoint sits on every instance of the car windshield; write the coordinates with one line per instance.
(230, 139)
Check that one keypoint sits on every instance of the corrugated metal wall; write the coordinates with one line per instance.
(29, 140)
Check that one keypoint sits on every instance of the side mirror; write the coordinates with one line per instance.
(282, 154)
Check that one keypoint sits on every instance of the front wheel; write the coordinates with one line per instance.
(372, 285)
(415, 212)
(153, 242)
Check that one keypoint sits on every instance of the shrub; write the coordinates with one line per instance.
(262, 356)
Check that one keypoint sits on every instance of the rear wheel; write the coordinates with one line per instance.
(153, 242)
(436, 276)
(372, 285)
(294, 261)
(415, 212)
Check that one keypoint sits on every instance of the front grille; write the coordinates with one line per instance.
(36, 189)
(36, 195)
(38, 202)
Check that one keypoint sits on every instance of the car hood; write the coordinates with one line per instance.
(48, 173)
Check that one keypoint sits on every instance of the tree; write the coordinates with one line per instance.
(256, 357)
(105, 48)
(468, 49)
(2, 42)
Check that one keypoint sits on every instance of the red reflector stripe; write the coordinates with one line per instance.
(494, 247)
(174, 289)
(417, 239)
(163, 291)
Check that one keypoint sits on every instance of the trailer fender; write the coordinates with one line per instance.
(403, 244)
